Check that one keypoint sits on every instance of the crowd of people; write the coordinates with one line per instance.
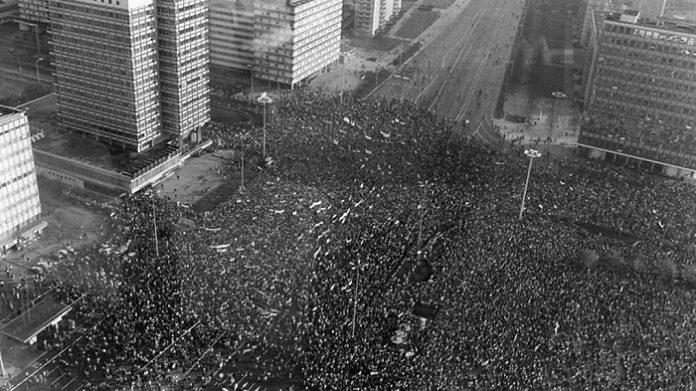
(315, 261)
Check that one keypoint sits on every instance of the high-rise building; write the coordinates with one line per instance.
(129, 70)
(182, 32)
(278, 40)
(106, 69)
(20, 209)
(373, 15)
(642, 100)
(34, 11)
(597, 10)
(232, 34)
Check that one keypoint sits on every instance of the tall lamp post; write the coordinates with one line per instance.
(36, 64)
(265, 99)
(355, 299)
(2, 368)
(154, 222)
(532, 154)
(243, 140)
(251, 73)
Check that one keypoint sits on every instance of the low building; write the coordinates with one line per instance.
(283, 41)
(641, 101)
(20, 209)
(9, 10)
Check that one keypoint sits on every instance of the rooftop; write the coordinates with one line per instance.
(669, 24)
(86, 149)
(5, 110)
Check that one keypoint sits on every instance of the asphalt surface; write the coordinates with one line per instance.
(469, 56)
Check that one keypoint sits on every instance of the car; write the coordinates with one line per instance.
(558, 95)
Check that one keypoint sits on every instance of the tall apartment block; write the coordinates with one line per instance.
(232, 34)
(106, 69)
(278, 40)
(373, 15)
(128, 71)
(642, 102)
(20, 209)
(34, 11)
(182, 32)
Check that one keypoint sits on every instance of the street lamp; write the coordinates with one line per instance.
(154, 221)
(242, 140)
(355, 299)
(251, 73)
(36, 64)
(2, 368)
(265, 99)
(532, 154)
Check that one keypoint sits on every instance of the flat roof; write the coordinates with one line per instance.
(36, 319)
(5, 110)
(666, 24)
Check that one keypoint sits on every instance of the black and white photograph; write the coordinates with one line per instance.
(347, 195)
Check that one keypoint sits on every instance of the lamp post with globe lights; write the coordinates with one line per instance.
(532, 154)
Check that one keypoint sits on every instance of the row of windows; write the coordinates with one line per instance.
(650, 110)
(651, 34)
(619, 44)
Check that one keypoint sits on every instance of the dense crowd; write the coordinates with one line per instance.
(316, 260)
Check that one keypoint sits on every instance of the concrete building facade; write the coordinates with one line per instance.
(182, 34)
(642, 96)
(598, 10)
(277, 40)
(34, 11)
(106, 69)
(232, 34)
(371, 16)
(131, 71)
(20, 209)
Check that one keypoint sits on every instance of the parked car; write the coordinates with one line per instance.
(558, 95)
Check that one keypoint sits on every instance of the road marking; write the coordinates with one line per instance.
(68, 383)
(484, 58)
(467, 36)
(454, 65)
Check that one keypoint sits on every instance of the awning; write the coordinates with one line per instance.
(29, 233)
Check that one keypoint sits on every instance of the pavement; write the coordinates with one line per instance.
(201, 175)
